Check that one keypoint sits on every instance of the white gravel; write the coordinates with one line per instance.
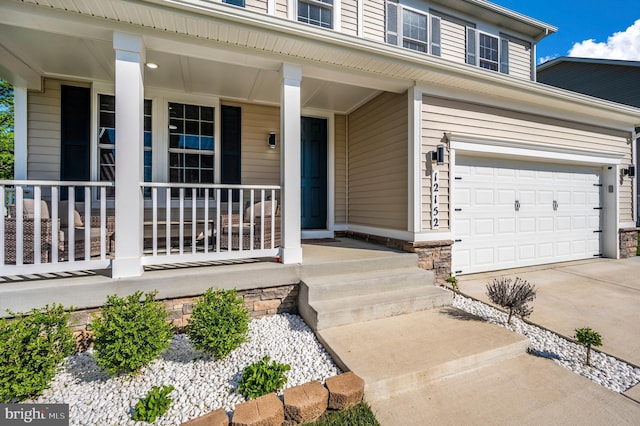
(202, 384)
(605, 370)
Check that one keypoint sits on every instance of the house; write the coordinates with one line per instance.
(212, 130)
(614, 80)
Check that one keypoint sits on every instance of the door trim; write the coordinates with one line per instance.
(329, 116)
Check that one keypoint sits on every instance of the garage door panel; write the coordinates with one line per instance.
(492, 234)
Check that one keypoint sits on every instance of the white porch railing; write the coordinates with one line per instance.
(41, 233)
(200, 222)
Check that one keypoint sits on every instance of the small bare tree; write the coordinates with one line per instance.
(513, 297)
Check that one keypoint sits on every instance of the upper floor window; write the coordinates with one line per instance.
(413, 29)
(487, 51)
(316, 12)
(239, 3)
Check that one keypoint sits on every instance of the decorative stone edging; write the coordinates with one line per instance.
(302, 404)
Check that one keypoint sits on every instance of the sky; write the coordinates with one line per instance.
(606, 29)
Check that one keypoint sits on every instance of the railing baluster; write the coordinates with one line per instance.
(230, 215)
(167, 225)
(71, 206)
(252, 222)
(262, 201)
(87, 223)
(55, 225)
(19, 225)
(193, 220)
(181, 229)
(218, 216)
(241, 222)
(154, 219)
(206, 220)
(103, 222)
(37, 225)
(273, 218)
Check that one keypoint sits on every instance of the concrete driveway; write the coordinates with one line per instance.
(603, 294)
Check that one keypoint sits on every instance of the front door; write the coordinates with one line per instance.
(314, 173)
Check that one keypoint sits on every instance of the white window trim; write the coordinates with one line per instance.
(400, 32)
(336, 8)
(500, 38)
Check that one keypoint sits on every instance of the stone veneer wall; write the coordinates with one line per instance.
(432, 255)
(628, 242)
(435, 256)
(260, 303)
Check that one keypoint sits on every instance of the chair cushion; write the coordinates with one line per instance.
(257, 209)
(63, 214)
(29, 209)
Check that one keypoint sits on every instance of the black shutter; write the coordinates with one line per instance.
(230, 130)
(75, 136)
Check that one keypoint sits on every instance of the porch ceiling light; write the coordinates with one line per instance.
(152, 65)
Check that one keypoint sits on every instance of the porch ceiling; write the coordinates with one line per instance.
(67, 57)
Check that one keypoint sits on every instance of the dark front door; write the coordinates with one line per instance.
(314, 173)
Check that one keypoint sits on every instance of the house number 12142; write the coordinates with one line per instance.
(435, 199)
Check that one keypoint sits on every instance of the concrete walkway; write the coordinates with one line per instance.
(603, 294)
(445, 367)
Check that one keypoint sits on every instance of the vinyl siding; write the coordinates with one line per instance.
(256, 5)
(377, 163)
(281, 8)
(260, 164)
(340, 186)
(445, 115)
(373, 20)
(43, 132)
(452, 40)
(519, 60)
(350, 17)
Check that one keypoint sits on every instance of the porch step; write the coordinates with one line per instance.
(348, 292)
(394, 355)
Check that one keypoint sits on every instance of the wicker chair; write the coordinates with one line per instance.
(63, 233)
(259, 224)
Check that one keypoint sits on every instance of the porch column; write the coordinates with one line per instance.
(290, 249)
(414, 171)
(129, 202)
(20, 133)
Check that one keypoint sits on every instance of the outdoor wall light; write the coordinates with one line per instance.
(438, 155)
(271, 140)
(629, 171)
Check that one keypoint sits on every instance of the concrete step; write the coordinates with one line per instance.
(374, 261)
(370, 282)
(371, 306)
(397, 354)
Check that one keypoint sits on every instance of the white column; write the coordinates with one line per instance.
(20, 133)
(414, 175)
(129, 202)
(290, 250)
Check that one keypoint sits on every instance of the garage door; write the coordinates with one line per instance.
(509, 214)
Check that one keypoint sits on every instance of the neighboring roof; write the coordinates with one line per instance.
(614, 80)
(502, 17)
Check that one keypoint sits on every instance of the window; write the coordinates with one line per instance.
(487, 51)
(316, 12)
(191, 143)
(414, 27)
(239, 3)
(107, 139)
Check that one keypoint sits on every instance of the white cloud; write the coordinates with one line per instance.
(624, 45)
(544, 59)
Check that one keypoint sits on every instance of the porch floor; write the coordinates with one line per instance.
(88, 289)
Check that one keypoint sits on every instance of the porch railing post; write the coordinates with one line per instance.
(129, 202)
(291, 250)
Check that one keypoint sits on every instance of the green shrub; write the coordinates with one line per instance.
(219, 322)
(453, 282)
(130, 332)
(31, 348)
(514, 297)
(261, 378)
(154, 405)
(358, 415)
(588, 337)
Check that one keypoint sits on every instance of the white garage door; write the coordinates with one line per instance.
(510, 214)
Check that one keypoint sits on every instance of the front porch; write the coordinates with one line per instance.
(89, 289)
